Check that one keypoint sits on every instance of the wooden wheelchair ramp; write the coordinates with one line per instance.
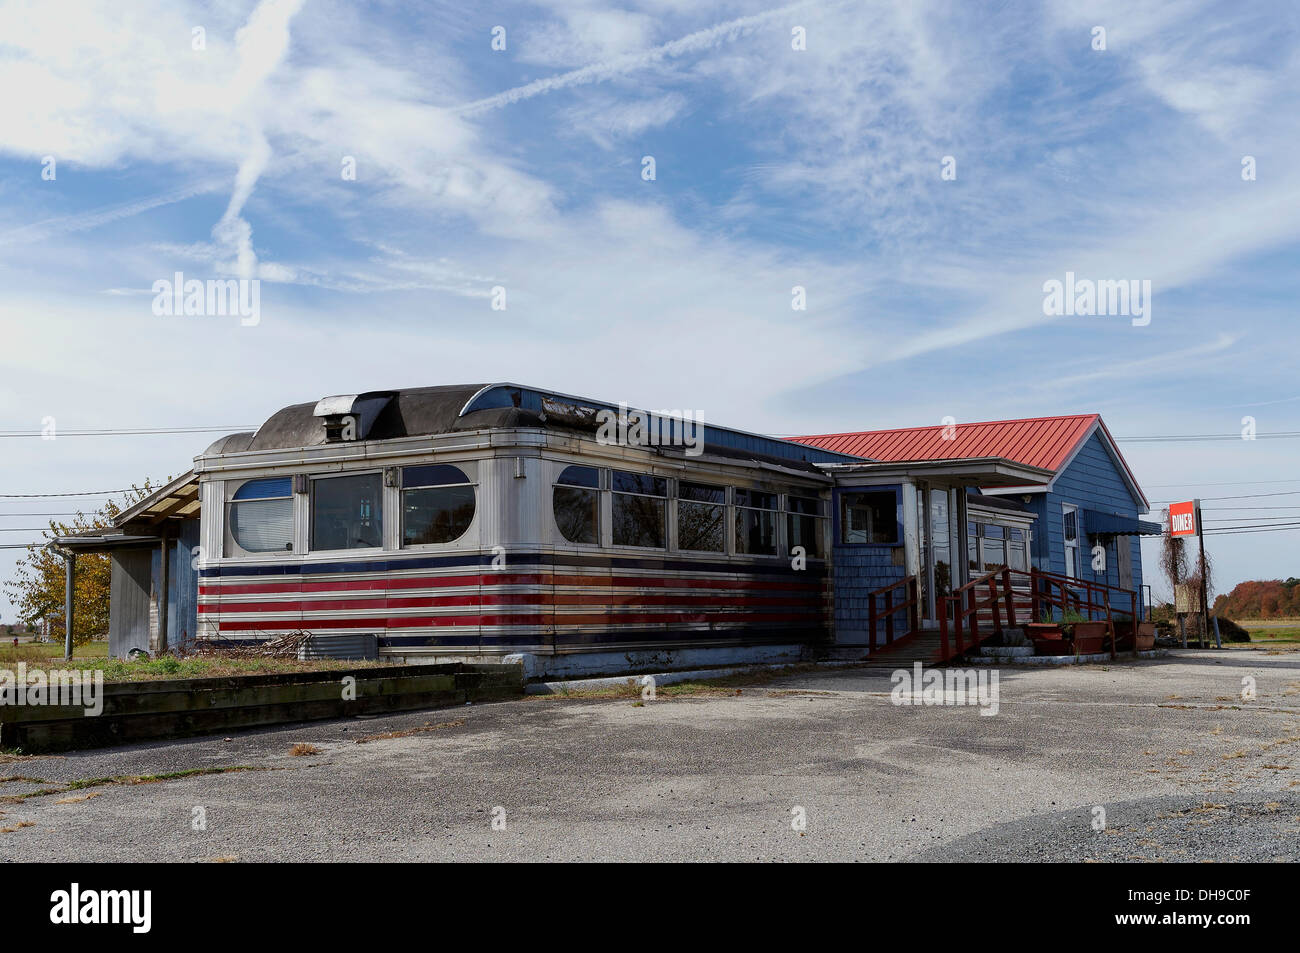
(995, 602)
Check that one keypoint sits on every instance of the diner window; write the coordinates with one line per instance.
(1017, 549)
(259, 517)
(437, 504)
(755, 523)
(993, 546)
(701, 517)
(803, 524)
(347, 512)
(639, 506)
(869, 516)
(972, 546)
(576, 504)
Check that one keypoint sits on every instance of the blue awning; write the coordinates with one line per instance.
(1096, 523)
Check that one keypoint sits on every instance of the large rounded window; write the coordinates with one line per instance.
(259, 516)
(437, 504)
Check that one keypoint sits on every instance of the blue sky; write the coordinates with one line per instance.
(775, 167)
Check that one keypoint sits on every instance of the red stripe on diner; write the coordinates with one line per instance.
(496, 579)
(503, 599)
(540, 618)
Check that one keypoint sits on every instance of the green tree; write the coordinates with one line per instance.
(37, 587)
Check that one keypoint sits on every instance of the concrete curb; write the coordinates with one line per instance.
(670, 678)
(1064, 659)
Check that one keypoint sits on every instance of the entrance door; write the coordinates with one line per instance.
(1124, 560)
(936, 538)
(1070, 531)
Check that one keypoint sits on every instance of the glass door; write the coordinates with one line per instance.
(936, 538)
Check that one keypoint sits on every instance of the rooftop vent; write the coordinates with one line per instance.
(349, 417)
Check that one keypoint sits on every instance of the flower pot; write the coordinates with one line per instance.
(1043, 630)
(1051, 647)
(1146, 636)
(1089, 637)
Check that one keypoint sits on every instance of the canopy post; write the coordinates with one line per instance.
(69, 584)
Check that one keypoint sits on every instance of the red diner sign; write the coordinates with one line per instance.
(1182, 518)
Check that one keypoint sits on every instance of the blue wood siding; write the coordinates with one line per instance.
(1092, 481)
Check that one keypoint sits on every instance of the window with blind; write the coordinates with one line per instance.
(259, 517)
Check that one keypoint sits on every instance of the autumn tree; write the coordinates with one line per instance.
(37, 587)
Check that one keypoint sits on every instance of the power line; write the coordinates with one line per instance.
(1166, 486)
(1291, 521)
(1270, 519)
(72, 513)
(1248, 532)
(1230, 509)
(123, 432)
(1244, 496)
(41, 496)
(1197, 437)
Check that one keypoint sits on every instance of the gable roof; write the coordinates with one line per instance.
(1046, 442)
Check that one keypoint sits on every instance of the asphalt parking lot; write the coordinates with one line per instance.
(1155, 760)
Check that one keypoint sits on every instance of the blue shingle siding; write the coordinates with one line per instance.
(1092, 481)
(859, 571)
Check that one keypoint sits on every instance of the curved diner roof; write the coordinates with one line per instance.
(452, 408)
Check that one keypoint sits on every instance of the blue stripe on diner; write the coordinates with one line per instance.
(578, 639)
(517, 562)
(616, 637)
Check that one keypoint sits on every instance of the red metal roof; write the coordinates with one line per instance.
(1044, 442)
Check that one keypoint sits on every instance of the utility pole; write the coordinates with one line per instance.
(1205, 593)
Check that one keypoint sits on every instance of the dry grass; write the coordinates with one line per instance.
(302, 748)
(117, 779)
(18, 826)
(78, 797)
(407, 732)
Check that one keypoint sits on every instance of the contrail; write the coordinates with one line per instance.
(691, 43)
(109, 213)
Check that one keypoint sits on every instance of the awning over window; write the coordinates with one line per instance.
(1096, 523)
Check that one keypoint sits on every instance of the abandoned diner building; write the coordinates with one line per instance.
(484, 521)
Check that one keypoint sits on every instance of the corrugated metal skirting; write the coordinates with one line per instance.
(351, 647)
